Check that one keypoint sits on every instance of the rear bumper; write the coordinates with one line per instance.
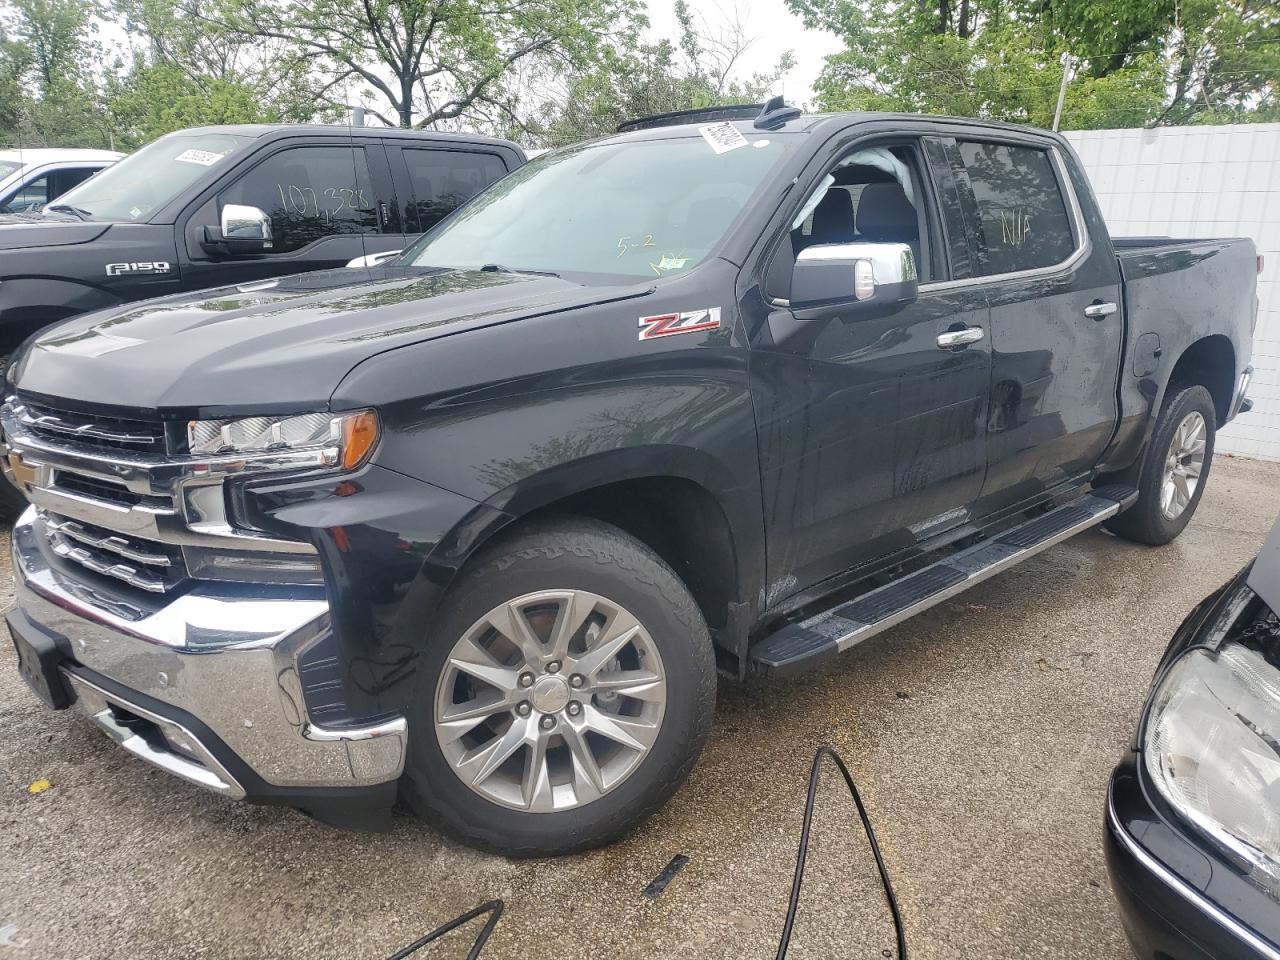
(206, 686)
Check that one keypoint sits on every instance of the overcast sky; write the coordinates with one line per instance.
(775, 29)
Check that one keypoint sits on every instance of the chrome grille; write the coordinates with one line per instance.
(145, 564)
(92, 429)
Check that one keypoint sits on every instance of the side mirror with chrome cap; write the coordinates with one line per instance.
(852, 280)
(242, 229)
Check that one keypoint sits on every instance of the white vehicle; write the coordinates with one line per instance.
(31, 178)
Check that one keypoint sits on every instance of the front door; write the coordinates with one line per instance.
(871, 431)
(327, 203)
(1056, 321)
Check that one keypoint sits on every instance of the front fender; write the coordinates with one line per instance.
(28, 304)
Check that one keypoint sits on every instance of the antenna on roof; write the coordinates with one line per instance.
(775, 113)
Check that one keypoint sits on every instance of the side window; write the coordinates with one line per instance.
(64, 180)
(1023, 215)
(873, 195)
(309, 193)
(31, 196)
(443, 180)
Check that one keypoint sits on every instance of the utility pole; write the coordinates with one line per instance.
(1067, 67)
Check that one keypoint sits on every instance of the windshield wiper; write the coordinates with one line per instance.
(79, 213)
(499, 268)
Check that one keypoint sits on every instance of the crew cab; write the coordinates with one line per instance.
(29, 179)
(476, 527)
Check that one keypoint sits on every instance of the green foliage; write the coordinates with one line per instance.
(46, 57)
(156, 99)
(431, 62)
(641, 79)
(1137, 61)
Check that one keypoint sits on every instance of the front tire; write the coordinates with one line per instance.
(566, 690)
(1174, 469)
(12, 502)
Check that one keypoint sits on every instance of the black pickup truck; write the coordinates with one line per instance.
(216, 205)
(479, 525)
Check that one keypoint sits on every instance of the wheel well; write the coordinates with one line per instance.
(676, 518)
(1210, 362)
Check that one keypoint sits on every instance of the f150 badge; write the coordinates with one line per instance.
(670, 324)
(140, 266)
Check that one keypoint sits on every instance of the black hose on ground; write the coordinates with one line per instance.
(495, 907)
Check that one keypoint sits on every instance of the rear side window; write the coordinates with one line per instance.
(444, 180)
(1024, 218)
(309, 193)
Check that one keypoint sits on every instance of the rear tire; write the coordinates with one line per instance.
(1174, 468)
(548, 693)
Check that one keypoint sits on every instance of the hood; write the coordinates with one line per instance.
(276, 346)
(19, 232)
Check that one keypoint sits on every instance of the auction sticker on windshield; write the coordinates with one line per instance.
(205, 158)
(722, 137)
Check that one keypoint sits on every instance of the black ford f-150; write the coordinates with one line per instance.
(216, 205)
(479, 525)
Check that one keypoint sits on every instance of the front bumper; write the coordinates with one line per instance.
(206, 686)
(1171, 891)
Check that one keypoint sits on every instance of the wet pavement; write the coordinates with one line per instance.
(981, 735)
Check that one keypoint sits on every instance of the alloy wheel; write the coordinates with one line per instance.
(1183, 465)
(550, 700)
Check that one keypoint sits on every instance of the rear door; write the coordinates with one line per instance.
(1056, 324)
(434, 180)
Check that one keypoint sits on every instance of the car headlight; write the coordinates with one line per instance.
(344, 440)
(1212, 744)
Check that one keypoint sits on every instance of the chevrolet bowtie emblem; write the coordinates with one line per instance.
(23, 473)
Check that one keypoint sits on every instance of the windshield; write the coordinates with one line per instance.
(150, 178)
(650, 208)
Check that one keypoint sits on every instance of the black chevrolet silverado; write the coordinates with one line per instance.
(477, 527)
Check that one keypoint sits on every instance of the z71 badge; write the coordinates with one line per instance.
(141, 266)
(669, 324)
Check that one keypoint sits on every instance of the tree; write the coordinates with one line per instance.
(1138, 61)
(640, 79)
(431, 62)
(47, 53)
(189, 71)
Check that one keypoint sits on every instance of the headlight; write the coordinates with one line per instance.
(1212, 749)
(344, 440)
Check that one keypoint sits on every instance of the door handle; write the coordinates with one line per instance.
(1099, 309)
(951, 339)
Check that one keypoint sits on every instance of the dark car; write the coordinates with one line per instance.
(1193, 813)
(478, 525)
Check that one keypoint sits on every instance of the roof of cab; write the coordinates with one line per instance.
(259, 130)
(813, 123)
